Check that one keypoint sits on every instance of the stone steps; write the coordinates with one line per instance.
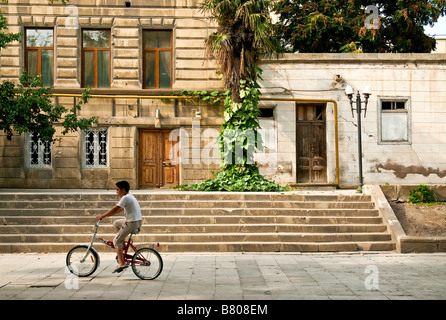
(195, 212)
(50, 195)
(201, 237)
(245, 246)
(197, 222)
(191, 220)
(205, 204)
(204, 228)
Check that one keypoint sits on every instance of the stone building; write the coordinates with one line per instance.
(127, 52)
(403, 129)
(135, 53)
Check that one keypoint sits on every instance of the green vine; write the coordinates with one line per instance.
(238, 140)
(211, 97)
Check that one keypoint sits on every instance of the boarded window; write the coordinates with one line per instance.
(394, 120)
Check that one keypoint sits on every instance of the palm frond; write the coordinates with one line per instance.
(244, 34)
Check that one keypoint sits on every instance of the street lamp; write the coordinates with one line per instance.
(366, 92)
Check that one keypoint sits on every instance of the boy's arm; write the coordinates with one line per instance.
(111, 212)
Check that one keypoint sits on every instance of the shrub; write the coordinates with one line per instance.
(236, 178)
(423, 194)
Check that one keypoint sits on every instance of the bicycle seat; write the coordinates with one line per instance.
(136, 231)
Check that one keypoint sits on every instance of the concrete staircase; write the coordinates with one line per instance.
(55, 221)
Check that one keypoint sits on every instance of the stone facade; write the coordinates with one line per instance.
(293, 80)
(122, 116)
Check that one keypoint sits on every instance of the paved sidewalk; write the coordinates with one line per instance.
(233, 276)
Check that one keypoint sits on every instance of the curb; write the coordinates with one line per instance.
(405, 243)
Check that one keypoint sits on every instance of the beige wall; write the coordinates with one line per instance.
(418, 77)
(441, 45)
(191, 69)
(122, 116)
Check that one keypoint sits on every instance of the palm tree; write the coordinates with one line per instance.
(244, 34)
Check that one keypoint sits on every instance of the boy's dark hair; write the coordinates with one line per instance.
(123, 185)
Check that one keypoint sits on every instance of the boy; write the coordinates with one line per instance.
(132, 221)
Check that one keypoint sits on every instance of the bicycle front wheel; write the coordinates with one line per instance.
(82, 261)
(147, 264)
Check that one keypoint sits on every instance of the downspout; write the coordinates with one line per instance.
(261, 98)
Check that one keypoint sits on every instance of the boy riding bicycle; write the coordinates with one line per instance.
(132, 221)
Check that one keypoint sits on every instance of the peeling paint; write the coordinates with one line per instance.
(401, 171)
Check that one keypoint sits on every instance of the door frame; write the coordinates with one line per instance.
(324, 141)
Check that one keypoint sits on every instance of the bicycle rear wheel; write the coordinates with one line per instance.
(81, 263)
(147, 264)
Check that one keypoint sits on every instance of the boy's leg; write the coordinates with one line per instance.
(120, 225)
(120, 254)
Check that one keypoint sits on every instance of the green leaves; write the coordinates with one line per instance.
(328, 26)
(6, 38)
(212, 97)
(236, 178)
(423, 194)
(244, 34)
(28, 108)
(238, 140)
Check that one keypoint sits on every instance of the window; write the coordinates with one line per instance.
(266, 113)
(394, 120)
(95, 148)
(39, 152)
(96, 58)
(157, 56)
(39, 54)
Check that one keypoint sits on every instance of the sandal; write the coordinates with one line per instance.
(120, 269)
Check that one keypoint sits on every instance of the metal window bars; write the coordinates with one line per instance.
(95, 147)
(40, 151)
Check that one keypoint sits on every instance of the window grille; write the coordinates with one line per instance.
(95, 148)
(39, 151)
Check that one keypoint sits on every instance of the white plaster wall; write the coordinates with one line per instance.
(420, 77)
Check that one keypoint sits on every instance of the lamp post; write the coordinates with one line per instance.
(367, 92)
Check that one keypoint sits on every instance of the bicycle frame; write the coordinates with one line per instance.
(127, 244)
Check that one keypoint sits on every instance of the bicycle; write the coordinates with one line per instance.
(83, 260)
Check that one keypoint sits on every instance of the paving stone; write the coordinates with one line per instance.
(244, 277)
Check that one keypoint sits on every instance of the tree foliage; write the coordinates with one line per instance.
(27, 106)
(329, 25)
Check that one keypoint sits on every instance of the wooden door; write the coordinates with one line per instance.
(158, 159)
(311, 144)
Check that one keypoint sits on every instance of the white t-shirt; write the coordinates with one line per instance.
(132, 210)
